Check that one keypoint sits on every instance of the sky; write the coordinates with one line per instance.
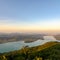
(29, 15)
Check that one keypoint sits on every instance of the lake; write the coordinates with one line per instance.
(11, 46)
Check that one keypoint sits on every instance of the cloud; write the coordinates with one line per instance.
(8, 22)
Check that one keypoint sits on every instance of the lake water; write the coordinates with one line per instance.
(11, 46)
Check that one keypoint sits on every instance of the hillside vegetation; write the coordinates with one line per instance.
(48, 51)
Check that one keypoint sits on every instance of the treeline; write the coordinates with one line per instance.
(48, 51)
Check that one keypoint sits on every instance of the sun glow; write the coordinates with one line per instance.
(40, 26)
(29, 28)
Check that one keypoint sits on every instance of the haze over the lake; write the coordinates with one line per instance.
(29, 15)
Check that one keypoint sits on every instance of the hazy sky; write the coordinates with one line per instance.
(29, 15)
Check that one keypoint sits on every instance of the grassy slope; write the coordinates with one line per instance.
(52, 53)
